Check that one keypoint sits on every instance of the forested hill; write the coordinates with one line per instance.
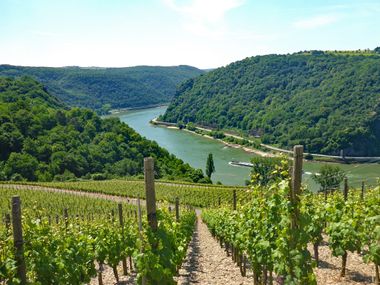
(41, 139)
(104, 88)
(327, 101)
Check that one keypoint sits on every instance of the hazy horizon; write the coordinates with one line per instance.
(201, 33)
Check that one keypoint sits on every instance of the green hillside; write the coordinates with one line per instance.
(93, 88)
(327, 101)
(40, 139)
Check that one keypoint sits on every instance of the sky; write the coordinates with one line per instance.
(201, 33)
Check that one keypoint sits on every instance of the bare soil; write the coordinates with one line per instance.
(207, 263)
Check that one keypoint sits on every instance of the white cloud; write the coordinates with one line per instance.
(316, 21)
(204, 17)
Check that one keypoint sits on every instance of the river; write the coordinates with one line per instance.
(194, 150)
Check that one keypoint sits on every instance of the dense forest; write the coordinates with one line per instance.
(103, 88)
(42, 139)
(327, 101)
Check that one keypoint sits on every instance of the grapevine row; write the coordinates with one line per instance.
(273, 231)
(196, 195)
(74, 249)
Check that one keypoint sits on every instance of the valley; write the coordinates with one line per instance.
(194, 149)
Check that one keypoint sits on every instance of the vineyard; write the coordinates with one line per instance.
(273, 234)
(259, 232)
(69, 239)
(196, 195)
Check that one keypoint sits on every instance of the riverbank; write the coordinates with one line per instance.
(118, 111)
(274, 151)
(237, 146)
(228, 144)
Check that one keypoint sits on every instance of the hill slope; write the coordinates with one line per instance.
(327, 101)
(42, 140)
(119, 87)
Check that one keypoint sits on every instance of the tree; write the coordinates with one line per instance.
(329, 177)
(21, 164)
(180, 125)
(210, 167)
(196, 175)
(106, 108)
(266, 170)
(190, 126)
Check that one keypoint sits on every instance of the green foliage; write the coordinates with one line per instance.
(67, 251)
(190, 126)
(197, 195)
(371, 227)
(8, 269)
(266, 170)
(40, 140)
(210, 167)
(159, 264)
(351, 225)
(180, 125)
(262, 229)
(197, 176)
(217, 134)
(98, 176)
(329, 177)
(106, 108)
(21, 163)
(325, 101)
(54, 253)
(313, 208)
(103, 88)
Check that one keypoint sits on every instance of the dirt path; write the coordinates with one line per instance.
(328, 271)
(109, 278)
(207, 263)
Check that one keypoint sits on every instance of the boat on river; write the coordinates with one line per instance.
(240, 163)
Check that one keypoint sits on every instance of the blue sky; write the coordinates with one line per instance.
(202, 33)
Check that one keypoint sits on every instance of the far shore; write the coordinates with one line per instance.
(275, 152)
(237, 146)
(118, 111)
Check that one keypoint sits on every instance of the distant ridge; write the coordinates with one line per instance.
(327, 101)
(103, 88)
(41, 139)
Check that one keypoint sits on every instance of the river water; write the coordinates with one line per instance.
(194, 150)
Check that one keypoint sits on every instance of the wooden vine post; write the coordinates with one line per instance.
(121, 221)
(345, 189)
(66, 217)
(362, 192)
(150, 195)
(295, 192)
(296, 182)
(344, 256)
(234, 199)
(177, 209)
(18, 239)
